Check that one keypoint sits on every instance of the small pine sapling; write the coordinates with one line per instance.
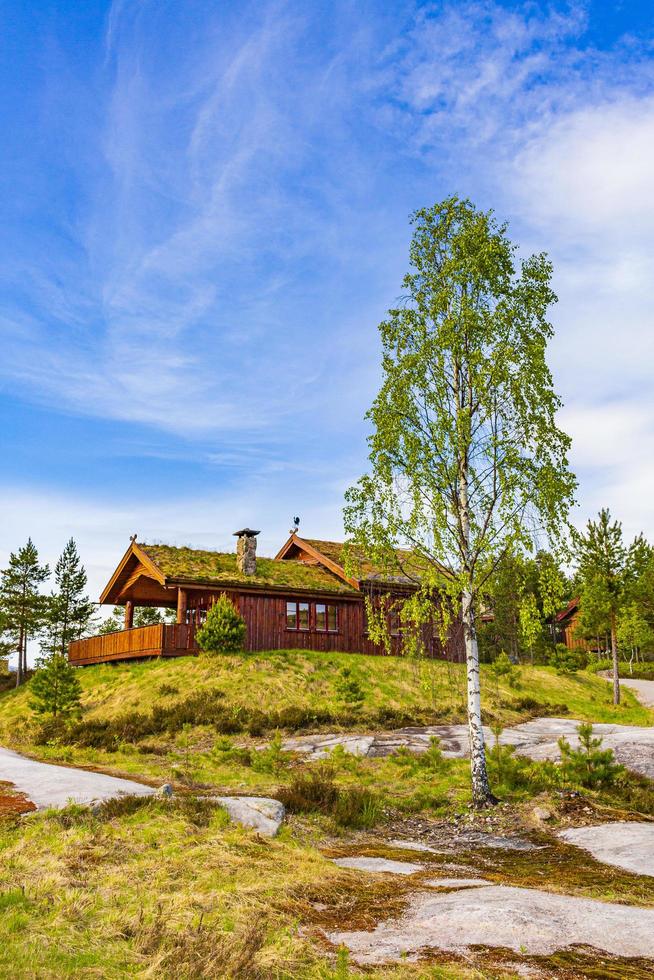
(55, 688)
(590, 765)
(224, 630)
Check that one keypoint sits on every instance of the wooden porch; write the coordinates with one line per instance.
(161, 640)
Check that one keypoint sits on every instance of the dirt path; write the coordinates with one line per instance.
(55, 786)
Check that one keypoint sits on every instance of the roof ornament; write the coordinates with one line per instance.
(133, 538)
(296, 522)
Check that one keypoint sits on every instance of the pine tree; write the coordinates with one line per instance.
(22, 606)
(224, 629)
(70, 611)
(606, 566)
(55, 688)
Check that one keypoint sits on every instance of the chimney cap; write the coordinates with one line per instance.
(246, 532)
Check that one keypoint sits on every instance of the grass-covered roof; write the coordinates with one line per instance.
(408, 564)
(194, 565)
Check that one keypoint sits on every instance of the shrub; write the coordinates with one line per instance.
(310, 792)
(224, 629)
(431, 760)
(589, 766)
(567, 661)
(316, 792)
(348, 688)
(272, 758)
(357, 807)
(503, 667)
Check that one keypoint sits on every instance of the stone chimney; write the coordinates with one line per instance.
(246, 551)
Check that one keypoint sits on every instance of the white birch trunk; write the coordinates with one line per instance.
(481, 794)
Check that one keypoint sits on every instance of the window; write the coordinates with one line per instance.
(297, 615)
(300, 616)
(326, 618)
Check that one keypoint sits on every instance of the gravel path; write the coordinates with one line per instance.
(55, 786)
(643, 689)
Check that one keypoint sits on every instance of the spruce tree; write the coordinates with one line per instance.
(55, 688)
(70, 611)
(22, 606)
(224, 629)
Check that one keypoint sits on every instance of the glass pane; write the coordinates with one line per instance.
(291, 615)
(303, 615)
(321, 616)
(332, 618)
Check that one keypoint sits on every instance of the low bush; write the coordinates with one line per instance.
(567, 661)
(432, 760)
(272, 758)
(503, 668)
(316, 792)
(348, 690)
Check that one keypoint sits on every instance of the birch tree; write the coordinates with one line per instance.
(466, 459)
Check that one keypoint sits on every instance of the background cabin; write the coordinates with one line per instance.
(301, 598)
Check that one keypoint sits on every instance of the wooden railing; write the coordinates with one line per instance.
(161, 640)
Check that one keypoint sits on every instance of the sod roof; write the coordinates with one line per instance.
(408, 563)
(193, 565)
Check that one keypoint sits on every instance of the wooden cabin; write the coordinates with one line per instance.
(566, 624)
(301, 598)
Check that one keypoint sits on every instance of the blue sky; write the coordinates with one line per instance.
(205, 216)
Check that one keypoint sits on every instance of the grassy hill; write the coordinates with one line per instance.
(160, 888)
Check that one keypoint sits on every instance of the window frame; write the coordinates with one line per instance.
(327, 606)
(297, 603)
(331, 612)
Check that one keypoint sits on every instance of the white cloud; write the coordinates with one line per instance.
(589, 174)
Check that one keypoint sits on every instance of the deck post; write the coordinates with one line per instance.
(129, 614)
(181, 606)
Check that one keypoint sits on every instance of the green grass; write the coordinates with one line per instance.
(167, 888)
(285, 678)
(153, 891)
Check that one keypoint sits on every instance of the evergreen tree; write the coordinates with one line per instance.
(55, 688)
(70, 611)
(22, 606)
(465, 452)
(224, 629)
(606, 567)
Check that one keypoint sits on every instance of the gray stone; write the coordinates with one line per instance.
(536, 739)
(522, 919)
(258, 812)
(477, 838)
(413, 845)
(623, 845)
(165, 790)
(542, 813)
(457, 882)
(57, 786)
(379, 865)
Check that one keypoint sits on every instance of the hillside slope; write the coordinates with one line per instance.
(351, 689)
